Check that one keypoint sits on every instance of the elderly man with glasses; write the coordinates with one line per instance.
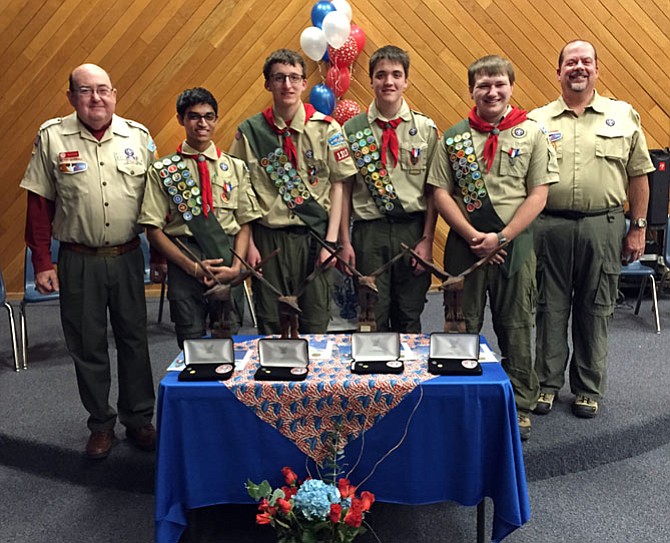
(297, 159)
(85, 183)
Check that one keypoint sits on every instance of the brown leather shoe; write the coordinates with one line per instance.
(100, 443)
(143, 438)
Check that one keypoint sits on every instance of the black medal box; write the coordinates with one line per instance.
(208, 360)
(282, 359)
(376, 352)
(454, 354)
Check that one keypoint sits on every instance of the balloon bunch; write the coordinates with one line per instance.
(335, 40)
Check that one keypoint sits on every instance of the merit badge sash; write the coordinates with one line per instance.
(266, 146)
(472, 195)
(180, 185)
(366, 154)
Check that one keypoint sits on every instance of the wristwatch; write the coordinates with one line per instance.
(640, 223)
(501, 239)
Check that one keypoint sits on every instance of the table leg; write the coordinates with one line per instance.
(481, 521)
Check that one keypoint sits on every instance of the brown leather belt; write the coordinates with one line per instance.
(114, 250)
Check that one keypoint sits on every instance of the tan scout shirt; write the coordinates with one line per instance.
(597, 152)
(233, 198)
(97, 187)
(510, 179)
(416, 133)
(319, 146)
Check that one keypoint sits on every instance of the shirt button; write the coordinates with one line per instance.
(102, 163)
(104, 183)
(106, 204)
(106, 224)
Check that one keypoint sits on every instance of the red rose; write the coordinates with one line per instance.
(335, 513)
(289, 475)
(264, 506)
(283, 505)
(367, 499)
(263, 518)
(289, 491)
(353, 518)
(346, 489)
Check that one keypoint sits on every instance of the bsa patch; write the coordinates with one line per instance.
(309, 154)
(151, 146)
(223, 166)
(342, 154)
(73, 167)
(518, 132)
(336, 139)
(609, 122)
(412, 131)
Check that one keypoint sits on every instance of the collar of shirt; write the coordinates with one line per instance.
(119, 127)
(298, 121)
(597, 104)
(404, 113)
(209, 153)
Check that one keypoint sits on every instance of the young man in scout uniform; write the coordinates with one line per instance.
(580, 237)
(297, 158)
(85, 183)
(392, 204)
(493, 172)
(202, 197)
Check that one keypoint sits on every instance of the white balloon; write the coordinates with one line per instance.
(313, 42)
(336, 27)
(343, 6)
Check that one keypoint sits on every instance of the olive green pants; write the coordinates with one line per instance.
(402, 295)
(287, 272)
(579, 262)
(512, 301)
(90, 286)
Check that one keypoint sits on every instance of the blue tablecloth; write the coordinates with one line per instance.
(462, 445)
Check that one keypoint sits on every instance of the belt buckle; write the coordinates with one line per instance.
(107, 251)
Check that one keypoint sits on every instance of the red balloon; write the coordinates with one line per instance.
(345, 110)
(345, 55)
(359, 36)
(338, 79)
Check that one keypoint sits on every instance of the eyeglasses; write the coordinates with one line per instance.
(280, 78)
(102, 91)
(193, 116)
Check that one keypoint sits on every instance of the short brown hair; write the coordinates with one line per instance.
(283, 56)
(490, 65)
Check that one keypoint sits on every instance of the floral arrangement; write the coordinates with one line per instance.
(313, 510)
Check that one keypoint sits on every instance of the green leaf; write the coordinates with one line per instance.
(278, 493)
(258, 492)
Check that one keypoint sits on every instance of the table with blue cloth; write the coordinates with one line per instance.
(447, 438)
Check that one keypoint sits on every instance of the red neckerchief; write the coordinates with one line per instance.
(203, 172)
(514, 117)
(286, 133)
(389, 139)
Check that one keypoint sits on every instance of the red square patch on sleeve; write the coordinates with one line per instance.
(341, 154)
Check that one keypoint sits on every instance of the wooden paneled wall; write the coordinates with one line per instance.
(155, 48)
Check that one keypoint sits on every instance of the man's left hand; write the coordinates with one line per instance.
(633, 244)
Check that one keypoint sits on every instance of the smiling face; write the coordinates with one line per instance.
(491, 94)
(199, 122)
(286, 82)
(578, 70)
(388, 82)
(92, 96)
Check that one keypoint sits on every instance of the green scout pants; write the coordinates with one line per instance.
(579, 262)
(287, 272)
(402, 295)
(190, 310)
(89, 287)
(512, 303)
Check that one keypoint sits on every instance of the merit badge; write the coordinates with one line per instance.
(518, 132)
(609, 122)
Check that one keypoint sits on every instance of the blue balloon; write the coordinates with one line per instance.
(326, 57)
(320, 10)
(322, 98)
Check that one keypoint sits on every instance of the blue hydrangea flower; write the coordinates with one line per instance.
(313, 499)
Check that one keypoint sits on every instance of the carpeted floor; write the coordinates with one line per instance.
(600, 480)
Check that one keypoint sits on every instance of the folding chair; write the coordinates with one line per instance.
(12, 326)
(32, 296)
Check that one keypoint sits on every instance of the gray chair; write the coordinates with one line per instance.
(12, 326)
(32, 296)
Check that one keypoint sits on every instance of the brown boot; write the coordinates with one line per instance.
(100, 443)
(143, 438)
